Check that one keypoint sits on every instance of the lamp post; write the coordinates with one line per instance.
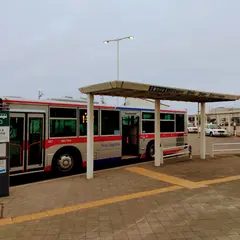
(118, 40)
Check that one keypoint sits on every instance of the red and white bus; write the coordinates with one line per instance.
(51, 135)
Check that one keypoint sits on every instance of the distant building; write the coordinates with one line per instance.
(223, 109)
(221, 115)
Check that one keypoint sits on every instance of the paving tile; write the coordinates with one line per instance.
(121, 237)
(51, 237)
(189, 234)
(163, 236)
(149, 237)
(134, 236)
(234, 237)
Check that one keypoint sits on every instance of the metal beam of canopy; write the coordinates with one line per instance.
(157, 93)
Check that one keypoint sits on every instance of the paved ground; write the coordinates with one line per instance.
(194, 199)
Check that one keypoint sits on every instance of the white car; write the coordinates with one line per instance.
(215, 130)
(191, 128)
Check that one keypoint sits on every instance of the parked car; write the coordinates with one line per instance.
(215, 130)
(191, 128)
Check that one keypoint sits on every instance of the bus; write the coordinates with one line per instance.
(51, 135)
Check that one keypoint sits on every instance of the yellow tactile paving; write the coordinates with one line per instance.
(220, 180)
(55, 212)
(98, 203)
(5, 221)
(165, 178)
(38, 215)
(21, 219)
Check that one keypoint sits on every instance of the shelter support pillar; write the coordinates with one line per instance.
(90, 140)
(229, 124)
(158, 156)
(195, 120)
(202, 135)
(198, 119)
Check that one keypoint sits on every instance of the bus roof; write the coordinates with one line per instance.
(75, 104)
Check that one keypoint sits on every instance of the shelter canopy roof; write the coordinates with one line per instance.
(140, 90)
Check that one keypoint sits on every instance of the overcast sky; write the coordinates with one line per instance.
(57, 45)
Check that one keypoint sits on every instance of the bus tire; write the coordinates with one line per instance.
(150, 151)
(67, 160)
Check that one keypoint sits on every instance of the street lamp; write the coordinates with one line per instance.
(118, 40)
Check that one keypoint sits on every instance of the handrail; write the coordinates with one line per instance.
(186, 150)
(21, 150)
(224, 150)
(34, 143)
(218, 144)
(175, 147)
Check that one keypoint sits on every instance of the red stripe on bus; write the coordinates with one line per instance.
(47, 168)
(162, 135)
(53, 104)
(57, 141)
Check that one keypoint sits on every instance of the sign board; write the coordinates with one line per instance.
(3, 149)
(4, 119)
(3, 166)
(184, 92)
(4, 134)
(4, 126)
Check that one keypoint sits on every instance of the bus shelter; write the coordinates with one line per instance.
(147, 91)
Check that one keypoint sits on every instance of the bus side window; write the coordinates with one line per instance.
(83, 122)
(110, 122)
(167, 123)
(180, 123)
(63, 122)
(148, 122)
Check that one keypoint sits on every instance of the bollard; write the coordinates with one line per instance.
(190, 152)
(1, 211)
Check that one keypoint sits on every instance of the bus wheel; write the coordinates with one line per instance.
(65, 162)
(150, 150)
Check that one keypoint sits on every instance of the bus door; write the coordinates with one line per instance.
(35, 140)
(130, 133)
(17, 141)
